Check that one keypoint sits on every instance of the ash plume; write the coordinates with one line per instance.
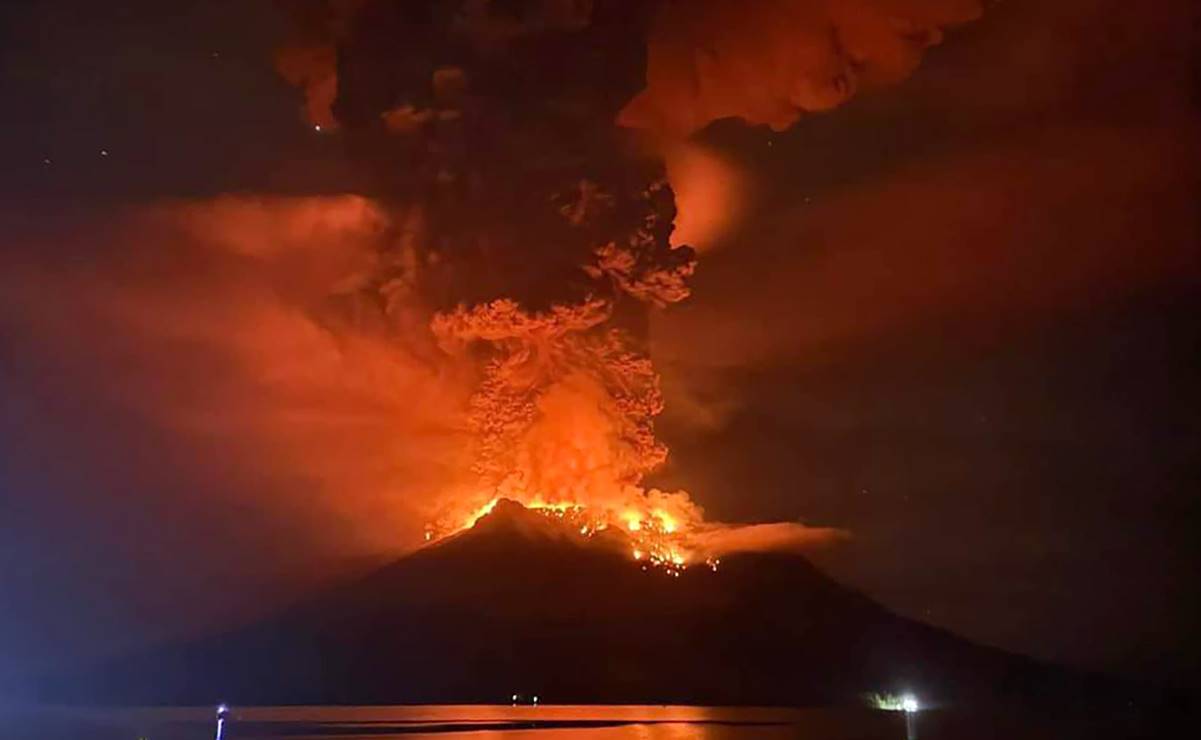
(546, 238)
(330, 375)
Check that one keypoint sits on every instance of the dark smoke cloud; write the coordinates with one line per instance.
(770, 61)
(309, 60)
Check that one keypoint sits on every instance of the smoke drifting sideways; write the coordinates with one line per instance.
(977, 248)
(198, 386)
(1056, 173)
(768, 62)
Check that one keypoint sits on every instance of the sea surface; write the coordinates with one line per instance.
(530, 723)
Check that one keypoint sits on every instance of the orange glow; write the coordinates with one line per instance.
(711, 194)
(654, 532)
(562, 422)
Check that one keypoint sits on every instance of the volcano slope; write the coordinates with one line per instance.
(523, 604)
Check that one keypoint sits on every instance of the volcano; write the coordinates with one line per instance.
(519, 604)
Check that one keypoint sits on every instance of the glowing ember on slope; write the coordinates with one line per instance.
(562, 418)
(654, 534)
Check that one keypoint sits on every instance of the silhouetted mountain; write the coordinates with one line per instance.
(519, 604)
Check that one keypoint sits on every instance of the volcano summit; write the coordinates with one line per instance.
(521, 603)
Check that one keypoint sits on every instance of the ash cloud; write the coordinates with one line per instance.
(768, 62)
(957, 307)
(467, 85)
(309, 59)
(773, 537)
(202, 398)
(1045, 167)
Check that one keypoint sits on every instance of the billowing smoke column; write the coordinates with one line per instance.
(564, 414)
(543, 238)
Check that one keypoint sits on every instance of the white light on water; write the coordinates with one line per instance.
(907, 703)
(222, 713)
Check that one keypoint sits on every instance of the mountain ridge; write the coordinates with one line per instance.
(522, 604)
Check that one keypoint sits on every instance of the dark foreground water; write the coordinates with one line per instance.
(537, 723)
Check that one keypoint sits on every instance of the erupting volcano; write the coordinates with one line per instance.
(526, 239)
(522, 603)
(529, 143)
(563, 418)
(351, 377)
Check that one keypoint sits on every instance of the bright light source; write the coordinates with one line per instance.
(317, 127)
(222, 714)
(907, 703)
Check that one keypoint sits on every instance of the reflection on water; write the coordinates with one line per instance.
(570, 723)
(447, 722)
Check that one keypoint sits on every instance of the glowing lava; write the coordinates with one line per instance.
(562, 418)
(655, 535)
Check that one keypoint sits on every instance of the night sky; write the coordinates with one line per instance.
(957, 318)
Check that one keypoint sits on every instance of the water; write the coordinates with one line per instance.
(447, 722)
(533, 723)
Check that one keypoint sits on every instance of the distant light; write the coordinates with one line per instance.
(317, 127)
(907, 703)
(104, 152)
(535, 698)
(222, 714)
(514, 698)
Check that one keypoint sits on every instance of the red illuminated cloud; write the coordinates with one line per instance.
(769, 61)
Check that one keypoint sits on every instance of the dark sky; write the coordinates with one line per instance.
(958, 319)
